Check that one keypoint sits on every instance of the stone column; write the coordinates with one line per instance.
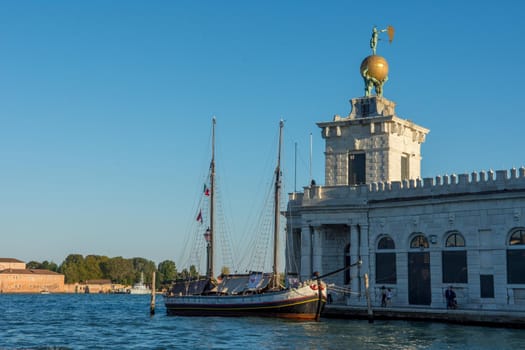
(318, 249)
(365, 254)
(354, 257)
(306, 252)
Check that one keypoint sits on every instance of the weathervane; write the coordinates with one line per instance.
(374, 68)
(375, 37)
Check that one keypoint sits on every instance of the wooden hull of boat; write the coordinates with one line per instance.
(280, 304)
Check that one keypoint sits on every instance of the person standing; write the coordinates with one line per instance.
(383, 296)
(450, 296)
(388, 297)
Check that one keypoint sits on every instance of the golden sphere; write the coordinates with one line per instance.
(377, 67)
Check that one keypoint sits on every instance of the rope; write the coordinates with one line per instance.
(339, 289)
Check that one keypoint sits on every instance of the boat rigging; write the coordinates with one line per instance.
(253, 294)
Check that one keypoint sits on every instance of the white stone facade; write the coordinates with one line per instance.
(479, 215)
(380, 134)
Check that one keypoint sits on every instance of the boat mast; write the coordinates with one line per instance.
(277, 209)
(209, 272)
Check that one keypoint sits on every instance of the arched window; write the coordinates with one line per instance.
(418, 273)
(419, 241)
(386, 243)
(386, 261)
(347, 264)
(516, 256)
(517, 237)
(454, 259)
(455, 240)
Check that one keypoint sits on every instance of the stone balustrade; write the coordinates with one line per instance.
(476, 182)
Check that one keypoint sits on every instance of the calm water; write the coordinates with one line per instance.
(123, 322)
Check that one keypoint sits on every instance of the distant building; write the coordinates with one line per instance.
(15, 278)
(10, 263)
(415, 236)
(95, 286)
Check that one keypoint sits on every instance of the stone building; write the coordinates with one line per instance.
(10, 263)
(15, 278)
(415, 236)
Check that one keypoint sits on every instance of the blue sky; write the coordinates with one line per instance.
(105, 106)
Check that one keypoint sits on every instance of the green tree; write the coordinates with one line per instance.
(141, 265)
(193, 272)
(119, 270)
(45, 265)
(184, 274)
(49, 265)
(74, 268)
(92, 265)
(33, 265)
(167, 271)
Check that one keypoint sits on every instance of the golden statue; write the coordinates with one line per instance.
(374, 68)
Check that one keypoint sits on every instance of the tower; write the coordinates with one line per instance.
(372, 144)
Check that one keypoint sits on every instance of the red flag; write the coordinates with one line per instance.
(199, 217)
(206, 190)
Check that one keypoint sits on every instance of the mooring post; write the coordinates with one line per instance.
(152, 303)
(320, 294)
(368, 302)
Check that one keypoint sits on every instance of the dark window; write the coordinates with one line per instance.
(386, 268)
(454, 259)
(386, 261)
(405, 169)
(419, 241)
(515, 266)
(386, 243)
(347, 264)
(357, 169)
(516, 257)
(486, 283)
(455, 266)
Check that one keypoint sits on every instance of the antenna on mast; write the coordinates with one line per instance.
(295, 169)
(311, 179)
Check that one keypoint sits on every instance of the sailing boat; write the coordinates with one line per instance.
(254, 294)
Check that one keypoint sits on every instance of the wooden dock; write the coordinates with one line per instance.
(493, 318)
